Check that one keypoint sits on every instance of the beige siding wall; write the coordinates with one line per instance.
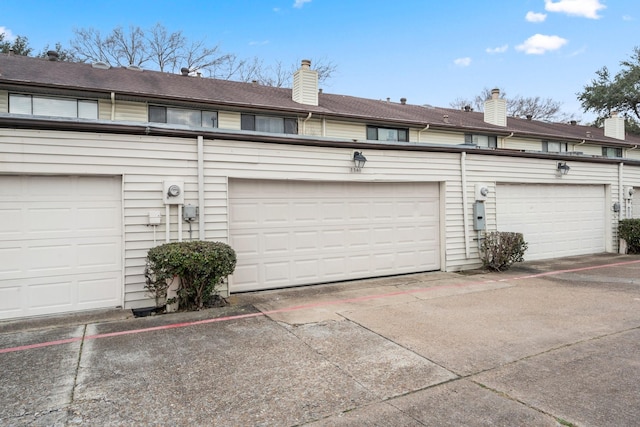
(131, 111)
(228, 120)
(104, 109)
(589, 150)
(4, 101)
(634, 154)
(144, 162)
(345, 130)
(312, 127)
(435, 137)
(520, 144)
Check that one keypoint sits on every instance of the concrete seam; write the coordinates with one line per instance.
(75, 376)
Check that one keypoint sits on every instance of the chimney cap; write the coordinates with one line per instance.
(184, 71)
(52, 55)
(306, 63)
(573, 122)
(529, 117)
(403, 101)
(495, 93)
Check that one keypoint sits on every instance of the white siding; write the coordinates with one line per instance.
(589, 150)
(145, 161)
(633, 154)
(4, 101)
(104, 109)
(228, 120)
(435, 137)
(312, 127)
(520, 144)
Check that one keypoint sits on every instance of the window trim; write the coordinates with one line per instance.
(77, 101)
(492, 140)
(545, 146)
(619, 152)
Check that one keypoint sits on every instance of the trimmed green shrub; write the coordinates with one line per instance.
(500, 249)
(629, 230)
(201, 266)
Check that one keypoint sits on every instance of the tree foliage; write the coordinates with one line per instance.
(159, 49)
(19, 46)
(620, 93)
(545, 109)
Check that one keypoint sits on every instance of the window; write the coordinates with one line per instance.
(183, 116)
(55, 107)
(387, 134)
(268, 124)
(489, 141)
(554, 147)
(611, 152)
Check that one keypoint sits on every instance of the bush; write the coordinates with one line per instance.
(202, 267)
(500, 249)
(629, 230)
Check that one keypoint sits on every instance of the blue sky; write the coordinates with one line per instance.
(430, 52)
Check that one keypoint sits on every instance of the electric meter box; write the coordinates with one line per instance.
(479, 220)
(173, 192)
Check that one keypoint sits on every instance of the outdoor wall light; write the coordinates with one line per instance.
(563, 168)
(358, 160)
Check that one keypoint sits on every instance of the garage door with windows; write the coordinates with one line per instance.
(556, 220)
(60, 244)
(289, 233)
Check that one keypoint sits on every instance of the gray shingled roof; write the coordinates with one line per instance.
(27, 71)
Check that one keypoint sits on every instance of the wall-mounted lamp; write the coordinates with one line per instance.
(563, 168)
(358, 160)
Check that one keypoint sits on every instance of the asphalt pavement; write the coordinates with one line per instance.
(547, 343)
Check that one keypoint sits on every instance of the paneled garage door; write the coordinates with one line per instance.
(60, 244)
(289, 233)
(556, 220)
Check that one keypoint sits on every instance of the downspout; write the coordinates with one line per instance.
(465, 219)
(200, 187)
(113, 106)
(620, 187)
(324, 126)
(304, 123)
(422, 130)
(505, 138)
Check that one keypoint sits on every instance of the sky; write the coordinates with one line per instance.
(428, 51)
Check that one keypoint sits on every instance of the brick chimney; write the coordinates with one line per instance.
(614, 126)
(495, 109)
(305, 84)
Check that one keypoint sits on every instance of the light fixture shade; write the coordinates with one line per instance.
(359, 160)
(563, 168)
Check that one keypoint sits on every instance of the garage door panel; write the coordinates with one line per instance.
(556, 220)
(330, 231)
(65, 247)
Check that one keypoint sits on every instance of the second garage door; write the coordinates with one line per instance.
(289, 233)
(556, 220)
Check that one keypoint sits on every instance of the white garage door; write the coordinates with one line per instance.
(60, 244)
(289, 233)
(556, 220)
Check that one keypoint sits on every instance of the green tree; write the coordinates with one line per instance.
(620, 93)
(19, 46)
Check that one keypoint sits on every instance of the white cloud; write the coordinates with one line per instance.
(628, 18)
(8, 35)
(535, 17)
(584, 8)
(299, 3)
(499, 49)
(462, 62)
(539, 44)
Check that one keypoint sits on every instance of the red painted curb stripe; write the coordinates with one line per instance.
(305, 306)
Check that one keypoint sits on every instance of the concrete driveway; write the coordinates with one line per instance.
(547, 343)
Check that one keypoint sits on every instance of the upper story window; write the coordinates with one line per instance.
(489, 141)
(387, 134)
(554, 147)
(269, 124)
(183, 116)
(51, 106)
(612, 152)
